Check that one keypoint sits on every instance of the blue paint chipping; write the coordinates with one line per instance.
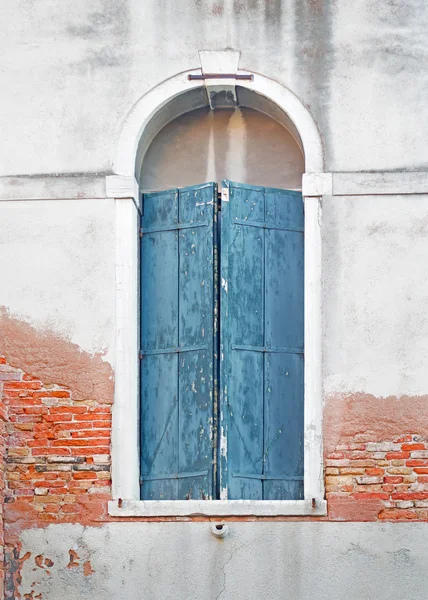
(177, 329)
(236, 433)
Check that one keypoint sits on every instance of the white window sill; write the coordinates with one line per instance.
(216, 508)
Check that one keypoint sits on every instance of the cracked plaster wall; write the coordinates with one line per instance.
(256, 561)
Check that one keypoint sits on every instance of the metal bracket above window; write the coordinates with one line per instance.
(237, 76)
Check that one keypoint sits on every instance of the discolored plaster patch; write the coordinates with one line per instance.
(55, 360)
(87, 568)
(346, 415)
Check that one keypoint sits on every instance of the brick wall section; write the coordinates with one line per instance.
(4, 376)
(57, 455)
(55, 451)
(391, 476)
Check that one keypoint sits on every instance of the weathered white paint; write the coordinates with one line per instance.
(361, 69)
(375, 294)
(121, 186)
(313, 467)
(53, 187)
(317, 184)
(125, 460)
(255, 561)
(381, 183)
(376, 86)
(183, 508)
(90, 187)
(57, 268)
(219, 62)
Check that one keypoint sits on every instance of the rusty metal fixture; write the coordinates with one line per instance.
(203, 76)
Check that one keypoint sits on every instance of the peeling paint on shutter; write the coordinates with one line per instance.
(178, 341)
(261, 344)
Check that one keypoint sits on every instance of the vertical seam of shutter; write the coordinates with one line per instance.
(178, 341)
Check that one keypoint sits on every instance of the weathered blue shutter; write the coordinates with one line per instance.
(261, 343)
(177, 343)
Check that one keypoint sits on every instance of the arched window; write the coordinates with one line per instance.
(222, 332)
(153, 154)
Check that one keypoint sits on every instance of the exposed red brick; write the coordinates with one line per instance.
(39, 484)
(412, 447)
(346, 508)
(397, 515)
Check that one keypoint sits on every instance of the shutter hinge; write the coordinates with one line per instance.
(140, 355)
(140, 480)
(140, 232)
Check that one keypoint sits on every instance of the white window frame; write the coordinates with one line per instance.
(125, 435)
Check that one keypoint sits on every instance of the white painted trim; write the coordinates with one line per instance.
(144, 109)
(121, 186)
(53, 187)
(125, 461)
(219, 508)
(140, 115)
(380, 183)
(313, 472)
(94, 187)
(317, 184)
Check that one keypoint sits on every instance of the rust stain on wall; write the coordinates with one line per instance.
(346, 415)
(54, 360)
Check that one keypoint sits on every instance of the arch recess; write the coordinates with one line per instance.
(141, 114)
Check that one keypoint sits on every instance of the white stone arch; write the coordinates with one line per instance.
(123, 187)
(147, 106)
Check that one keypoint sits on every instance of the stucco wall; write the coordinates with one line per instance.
(255, 561)
(58, 268)
(72, 75)
(375, 294)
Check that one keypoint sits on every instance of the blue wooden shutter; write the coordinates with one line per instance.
(177, 341)
(261, 343)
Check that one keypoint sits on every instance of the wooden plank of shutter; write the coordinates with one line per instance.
(284, 339)
(177, 331)
(241, 334)
(261, 369)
